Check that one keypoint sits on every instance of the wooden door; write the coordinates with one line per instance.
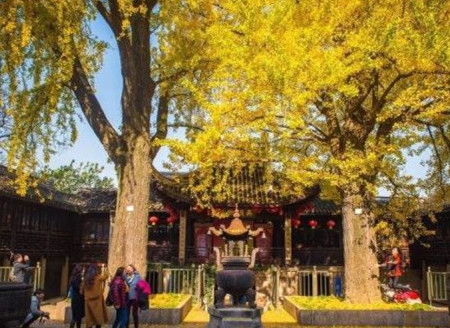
(202, 242)
(264, 242)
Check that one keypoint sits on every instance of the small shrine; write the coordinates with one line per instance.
(235, 276)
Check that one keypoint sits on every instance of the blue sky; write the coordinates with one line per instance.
(108, 84)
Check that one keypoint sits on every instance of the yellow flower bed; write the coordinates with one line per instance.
(334, 303)
(167, 301)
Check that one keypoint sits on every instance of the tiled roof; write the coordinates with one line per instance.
(246, 187)
(85, 201)
(45, 194)
(323, 206)
(92, 200)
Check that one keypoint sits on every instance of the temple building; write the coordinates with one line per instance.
(59, 230)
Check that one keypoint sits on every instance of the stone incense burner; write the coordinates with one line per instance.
(235, 277)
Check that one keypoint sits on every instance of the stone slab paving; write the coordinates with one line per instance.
(273, 316)
(56, 324)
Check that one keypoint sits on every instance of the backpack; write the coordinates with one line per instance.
(144, 287)
(143, 291)
(110, 297)
(11, 276)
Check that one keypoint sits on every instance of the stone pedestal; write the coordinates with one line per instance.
(234, 318)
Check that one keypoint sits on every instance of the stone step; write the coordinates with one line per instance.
(239, 323)
(237, 319)
(234, 318)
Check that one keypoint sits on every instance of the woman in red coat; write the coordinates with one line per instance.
(119, 294)
(394, 266)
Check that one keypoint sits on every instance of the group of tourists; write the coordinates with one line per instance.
(21, 269)
(128, 293)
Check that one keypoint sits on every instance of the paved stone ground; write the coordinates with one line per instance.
(55, 324)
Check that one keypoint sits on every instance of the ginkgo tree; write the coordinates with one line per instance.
(48, 59)
(335, 91)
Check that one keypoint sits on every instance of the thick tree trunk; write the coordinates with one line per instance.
(361, 266)
(130, 233)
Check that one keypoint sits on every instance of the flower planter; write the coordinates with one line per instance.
(170, 316)
(15, 299)
(392, 318)
(162, 316)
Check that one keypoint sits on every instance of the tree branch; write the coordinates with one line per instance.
(391, 85)
(151, 4)
(439, 161)
(94, 113)
(316, 128)
(172, 76)
(107, 17)
(161, 123)
(185, 125)
(444, 136)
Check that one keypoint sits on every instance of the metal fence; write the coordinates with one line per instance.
(178, 280)
(321, 282)
(292, 281)
(436, 286)
(35, 276)
(305, 281)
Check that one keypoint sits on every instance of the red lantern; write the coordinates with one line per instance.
(153, 220)
(296, 223)
(274, 209)
(312, 224)
(331, 224)
(170, 220)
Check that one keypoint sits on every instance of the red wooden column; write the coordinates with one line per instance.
(288, 238)
(182, 238)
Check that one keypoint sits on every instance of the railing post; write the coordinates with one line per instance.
(37, 276)
(331, 282)
(447, 287)
(199, 283)
(160, 280)
(429, 285)
(300, 283)
(314, 282)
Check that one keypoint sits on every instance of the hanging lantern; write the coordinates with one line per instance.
(274, 209)
(296, 223)
(312, 224)
(331, 224)
(198, 208)
(170, 220)
(153, 220)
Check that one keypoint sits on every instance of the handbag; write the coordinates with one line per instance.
(110, 297)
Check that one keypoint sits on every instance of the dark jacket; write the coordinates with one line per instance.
(19, 270)
(119, 292)
(77, 299)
